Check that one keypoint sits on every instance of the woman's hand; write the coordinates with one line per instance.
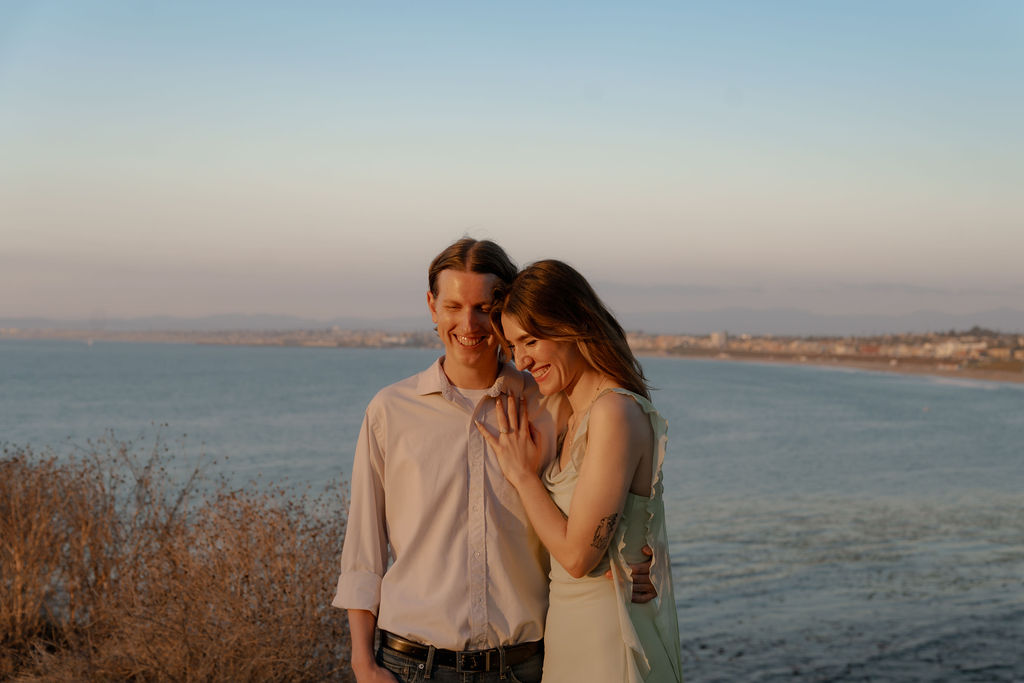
(517, 445)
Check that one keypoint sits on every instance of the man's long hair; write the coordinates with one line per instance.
(472, 256)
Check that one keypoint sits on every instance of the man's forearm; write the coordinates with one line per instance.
(361, 627)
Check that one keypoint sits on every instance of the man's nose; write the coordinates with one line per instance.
(478, 320)
(470, 320)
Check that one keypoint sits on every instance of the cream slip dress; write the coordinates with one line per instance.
(594, 632)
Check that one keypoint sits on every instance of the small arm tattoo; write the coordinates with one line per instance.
(603, 533)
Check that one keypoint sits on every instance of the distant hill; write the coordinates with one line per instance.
(221, 322)
(777, 321)
(795, 322)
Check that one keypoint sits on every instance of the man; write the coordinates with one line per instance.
(467, 590)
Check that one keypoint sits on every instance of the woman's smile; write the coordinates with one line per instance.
(540, 373)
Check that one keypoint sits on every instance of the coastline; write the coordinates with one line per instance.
(327, 339)
(885, 365)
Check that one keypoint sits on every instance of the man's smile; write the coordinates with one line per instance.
(470, 341)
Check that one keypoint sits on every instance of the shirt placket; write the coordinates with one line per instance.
(477, 538)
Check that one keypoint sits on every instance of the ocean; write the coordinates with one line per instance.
(825, 524)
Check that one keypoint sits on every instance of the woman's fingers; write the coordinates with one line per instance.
(513, 412)
(502, 416)
(488, 437)
(510, 415)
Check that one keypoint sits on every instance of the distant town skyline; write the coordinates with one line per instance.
(193, 159)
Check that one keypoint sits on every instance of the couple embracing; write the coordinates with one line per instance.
(519, 505)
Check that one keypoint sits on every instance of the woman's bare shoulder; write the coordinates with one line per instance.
(620, 411)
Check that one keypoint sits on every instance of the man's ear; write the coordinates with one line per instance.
(432, 305)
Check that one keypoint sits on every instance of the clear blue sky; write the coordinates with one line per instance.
(191, 158)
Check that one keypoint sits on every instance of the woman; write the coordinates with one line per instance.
(599, 502)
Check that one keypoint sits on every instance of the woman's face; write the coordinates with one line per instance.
(555, 365)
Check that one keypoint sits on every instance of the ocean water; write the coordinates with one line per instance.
(826, 525)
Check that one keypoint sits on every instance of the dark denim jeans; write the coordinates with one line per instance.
(408, 669)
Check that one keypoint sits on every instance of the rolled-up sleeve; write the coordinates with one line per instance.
(364, 555)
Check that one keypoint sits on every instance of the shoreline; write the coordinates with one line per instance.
(311, 339)
(882, 365)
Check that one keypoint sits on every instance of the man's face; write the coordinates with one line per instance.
(460, 311)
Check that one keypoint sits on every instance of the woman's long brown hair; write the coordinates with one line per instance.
(551, 300)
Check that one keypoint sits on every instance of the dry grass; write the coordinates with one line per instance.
(112, 569)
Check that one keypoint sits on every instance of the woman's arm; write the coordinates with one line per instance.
(618, 436)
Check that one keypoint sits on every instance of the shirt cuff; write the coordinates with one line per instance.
(358, 590)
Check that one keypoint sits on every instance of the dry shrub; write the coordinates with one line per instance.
(113, 569)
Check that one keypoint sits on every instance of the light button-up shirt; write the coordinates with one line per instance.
(467, 570)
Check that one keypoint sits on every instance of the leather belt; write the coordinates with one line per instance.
(468, 661)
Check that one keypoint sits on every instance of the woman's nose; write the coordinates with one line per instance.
(523, 361)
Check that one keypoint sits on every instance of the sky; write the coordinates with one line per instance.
(309, 159)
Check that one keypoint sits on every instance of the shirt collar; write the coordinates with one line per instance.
(434, 381)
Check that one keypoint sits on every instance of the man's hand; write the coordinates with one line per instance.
(643, 589)
(361, 626)
(373, 673)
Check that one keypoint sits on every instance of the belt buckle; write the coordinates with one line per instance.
(473, 661)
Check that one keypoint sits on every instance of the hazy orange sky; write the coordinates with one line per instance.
(196, 158)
